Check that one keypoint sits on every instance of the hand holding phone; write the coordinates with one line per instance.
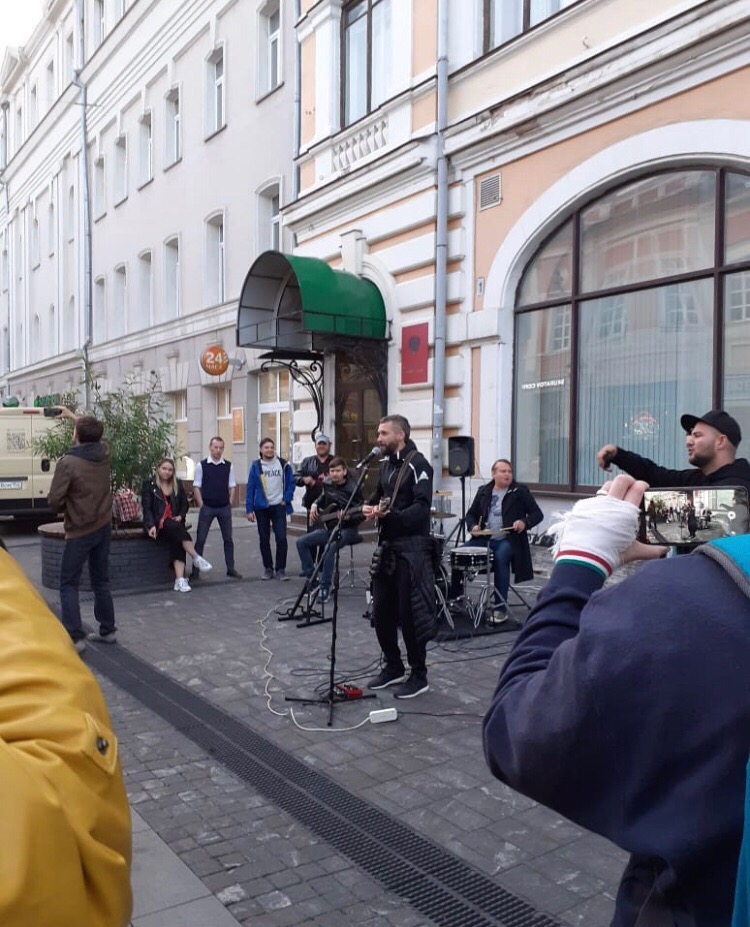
(52, 411)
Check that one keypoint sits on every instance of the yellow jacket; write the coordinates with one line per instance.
(65, 843)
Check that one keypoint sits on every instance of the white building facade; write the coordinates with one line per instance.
(130, 250)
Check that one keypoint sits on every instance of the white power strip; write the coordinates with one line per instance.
(383, 714)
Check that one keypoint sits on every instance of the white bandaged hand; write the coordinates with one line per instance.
(596, 533)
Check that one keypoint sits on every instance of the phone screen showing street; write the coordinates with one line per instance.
(685, 518)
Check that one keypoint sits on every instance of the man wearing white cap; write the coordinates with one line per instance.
(711, 443)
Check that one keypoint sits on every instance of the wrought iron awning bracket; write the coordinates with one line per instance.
(309, 377)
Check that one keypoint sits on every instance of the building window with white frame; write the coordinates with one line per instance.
(69, 57)
(70, 327)
(121, 169)
(51, 229)
(71, 217)
(33, 108)
(120, 307)
(19, 127)
(119, 9)
(35, 257)
(145, 289)
(100, 311)
(215, 260)
(224, 414)
(35, 348)
(51, 331)
(366, 53)
(269, 219)
(172, 278)
(503, 20)
(173, 127)
(275, 410)
(215, 91)
(50, 83)
(269, 47)
(145, 150)
(99, 23)
(180, 416)
(4, 273)
(99, 187)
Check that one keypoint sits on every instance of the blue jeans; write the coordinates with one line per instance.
(272, 517)
(94, 548)
(502, 554)
(319, 538)
(223, 515)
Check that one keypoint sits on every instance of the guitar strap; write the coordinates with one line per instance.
(402, 474)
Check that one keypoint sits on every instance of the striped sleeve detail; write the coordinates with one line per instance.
(587, 559)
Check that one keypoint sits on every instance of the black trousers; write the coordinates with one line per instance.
(391, 608)
(172, 534)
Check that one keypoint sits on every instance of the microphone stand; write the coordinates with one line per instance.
(330, 698)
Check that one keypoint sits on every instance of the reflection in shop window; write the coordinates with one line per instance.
(642, 313)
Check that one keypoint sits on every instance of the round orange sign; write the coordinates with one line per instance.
(215, 360)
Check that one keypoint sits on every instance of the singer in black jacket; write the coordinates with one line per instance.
(403, 584)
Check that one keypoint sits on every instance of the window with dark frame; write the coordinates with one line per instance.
(635, 310)
(365, 57)
(504, 20)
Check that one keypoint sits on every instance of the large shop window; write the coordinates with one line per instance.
(635, 310)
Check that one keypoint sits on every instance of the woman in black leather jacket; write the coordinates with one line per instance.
(165, 506)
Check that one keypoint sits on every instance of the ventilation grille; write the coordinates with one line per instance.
(490, 191)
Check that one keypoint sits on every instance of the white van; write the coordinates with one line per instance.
(24, 479)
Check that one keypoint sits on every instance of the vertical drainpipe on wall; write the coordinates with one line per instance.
(441, 247)
(4, 161)
(87, 244)
(297, 128)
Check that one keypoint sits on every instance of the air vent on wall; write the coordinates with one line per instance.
(490, 191)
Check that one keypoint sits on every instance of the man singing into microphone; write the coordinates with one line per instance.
(403, 584)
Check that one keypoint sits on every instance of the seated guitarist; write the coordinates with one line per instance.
(504, 504)
(324, 512)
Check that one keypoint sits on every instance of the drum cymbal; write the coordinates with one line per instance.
(434, 514)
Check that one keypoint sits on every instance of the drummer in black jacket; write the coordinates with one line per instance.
(403, 583)
(503, 503)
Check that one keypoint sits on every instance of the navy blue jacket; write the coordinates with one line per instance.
(628, 711)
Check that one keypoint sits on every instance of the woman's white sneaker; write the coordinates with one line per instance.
(201, 564)
(181, 585)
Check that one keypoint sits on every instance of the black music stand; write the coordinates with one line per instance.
(330, 698)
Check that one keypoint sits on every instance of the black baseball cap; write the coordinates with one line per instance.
(718, 419)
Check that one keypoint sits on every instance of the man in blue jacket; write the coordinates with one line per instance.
(270, 488)
(628, 710)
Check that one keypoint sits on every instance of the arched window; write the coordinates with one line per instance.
(634, 311)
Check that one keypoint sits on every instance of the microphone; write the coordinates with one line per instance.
(373, 455)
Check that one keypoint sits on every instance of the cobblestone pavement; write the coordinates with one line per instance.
(224, 642)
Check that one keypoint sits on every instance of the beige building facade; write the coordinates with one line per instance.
(596, 266)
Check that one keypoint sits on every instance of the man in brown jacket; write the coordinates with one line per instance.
(81, 488)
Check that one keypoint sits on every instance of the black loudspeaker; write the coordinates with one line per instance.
(461, 455)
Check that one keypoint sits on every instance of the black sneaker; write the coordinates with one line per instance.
(234, 574)
(194, 575)
(387, 677)
(414, 685)
(324, 594)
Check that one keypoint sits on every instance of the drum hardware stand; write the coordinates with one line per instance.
(330, 697)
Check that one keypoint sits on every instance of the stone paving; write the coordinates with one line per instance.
(224, 642)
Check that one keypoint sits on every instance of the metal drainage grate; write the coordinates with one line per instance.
(435, 882)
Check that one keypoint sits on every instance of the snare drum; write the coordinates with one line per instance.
(470, 559)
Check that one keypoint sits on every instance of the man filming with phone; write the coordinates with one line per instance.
(627, 710)
(711, 442)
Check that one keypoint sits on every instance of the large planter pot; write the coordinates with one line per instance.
(135, 560)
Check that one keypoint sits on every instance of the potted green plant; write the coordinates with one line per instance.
(139, 432)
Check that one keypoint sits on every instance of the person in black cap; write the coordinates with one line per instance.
(711, 442)
(313, 471)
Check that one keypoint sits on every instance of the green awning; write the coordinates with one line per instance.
(297, 305)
